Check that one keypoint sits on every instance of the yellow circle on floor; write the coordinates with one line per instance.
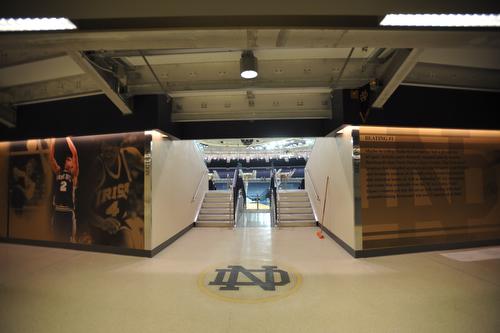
(249, 281)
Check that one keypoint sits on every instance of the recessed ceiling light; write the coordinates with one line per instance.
(36, 24)
(442, 20)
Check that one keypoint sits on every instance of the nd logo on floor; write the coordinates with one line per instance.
(249, 282)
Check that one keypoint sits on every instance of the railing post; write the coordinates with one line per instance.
(273, 199)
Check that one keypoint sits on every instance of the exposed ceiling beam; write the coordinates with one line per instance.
(14, 57)
(394, 72)
(441, 86)
(7, 116)
(38, 71)
(192, 56)
(427, 75)
(255, 91)
(254, 115)
(160, 84)
(454, 77)
(106, 82)
(253, 104)
(237, 39)
(272, 74)
(68, 87)
(173, 87)
(6, 98)
(474, 58)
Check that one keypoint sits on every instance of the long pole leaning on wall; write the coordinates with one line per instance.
(9, 194)
(322, 223)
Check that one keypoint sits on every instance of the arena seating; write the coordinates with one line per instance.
(258, 190)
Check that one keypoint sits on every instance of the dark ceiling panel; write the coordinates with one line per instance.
(109, 9)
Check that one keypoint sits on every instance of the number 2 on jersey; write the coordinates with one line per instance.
(63, 187)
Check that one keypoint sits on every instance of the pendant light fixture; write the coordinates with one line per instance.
(248, 65)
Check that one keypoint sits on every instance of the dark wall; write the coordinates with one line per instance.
(97, 115)
(409, 107)
(254, 129)
(86, 116)
(431, 107)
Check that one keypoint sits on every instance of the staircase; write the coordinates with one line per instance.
(294, 209)
(216, 210)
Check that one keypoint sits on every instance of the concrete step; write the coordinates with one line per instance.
(228, 224)
(210, 204)
(294, 217)
(217, 199)
(298, 223)
(292, 204)
(293, 199)
(295, 210)
(215, 217)
(215, 210)
(291, 193)
(217, 194)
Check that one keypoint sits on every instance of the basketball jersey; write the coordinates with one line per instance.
(64, 192)
(112, 193)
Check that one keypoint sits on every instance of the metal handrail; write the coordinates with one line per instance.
(231, 205)
(274, 200)
(198, 187)
(239, 205)
(312, 182)
(274, 210)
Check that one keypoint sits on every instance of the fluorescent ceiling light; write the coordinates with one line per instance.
(36, 24)
(442, 20)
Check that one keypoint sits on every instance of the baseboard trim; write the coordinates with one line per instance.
(339, 241)
(213, 225)
(298, 224)
(354, 253)
(79, 247)
(367, 253)
(99, 248)
(425, 248)
(169, 241)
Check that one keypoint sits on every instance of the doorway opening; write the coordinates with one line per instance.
(255, 173)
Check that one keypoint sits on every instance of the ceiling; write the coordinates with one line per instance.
(198, 69)
(257, 144)
(259, 148)
(108, 9)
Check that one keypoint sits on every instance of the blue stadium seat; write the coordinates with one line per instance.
(258, 190)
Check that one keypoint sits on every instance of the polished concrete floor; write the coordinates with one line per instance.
(55, 290)
(254, 219)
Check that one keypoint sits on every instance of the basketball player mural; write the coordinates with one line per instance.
(66, 181)
(116, 217)
(23, 185)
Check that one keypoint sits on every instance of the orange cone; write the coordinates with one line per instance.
(319, 233)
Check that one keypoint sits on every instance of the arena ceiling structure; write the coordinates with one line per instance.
(190, 51)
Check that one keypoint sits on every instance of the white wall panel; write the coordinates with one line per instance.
(177, 168)
(332, 157)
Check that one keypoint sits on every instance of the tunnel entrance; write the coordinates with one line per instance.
(264, 179)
